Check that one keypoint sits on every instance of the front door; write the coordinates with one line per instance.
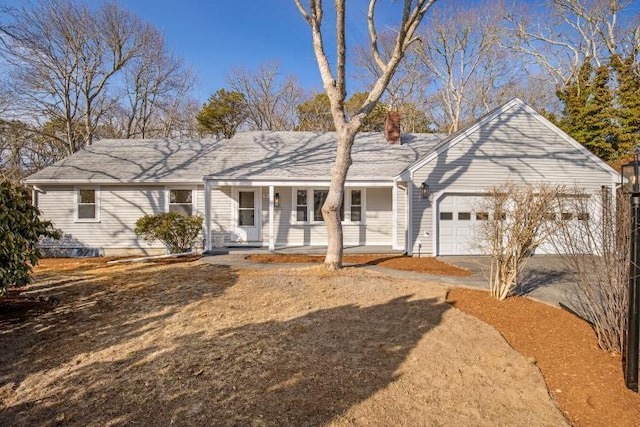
(247, 215)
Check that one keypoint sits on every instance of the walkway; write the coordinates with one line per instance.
(544, 279)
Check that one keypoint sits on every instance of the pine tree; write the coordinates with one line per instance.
(224, 113)
(599, 128)
(628, 102)
(575, 96)
(590, 115)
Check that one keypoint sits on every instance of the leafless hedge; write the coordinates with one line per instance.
(518, 223)
(595, 249)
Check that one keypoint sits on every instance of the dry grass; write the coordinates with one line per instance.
(196, 344)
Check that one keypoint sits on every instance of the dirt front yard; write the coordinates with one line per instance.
(195, 344)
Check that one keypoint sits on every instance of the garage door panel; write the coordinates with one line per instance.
(456, 235)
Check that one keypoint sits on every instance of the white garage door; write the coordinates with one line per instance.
(457, 218)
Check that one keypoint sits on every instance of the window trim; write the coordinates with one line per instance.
(363, 203)
(194, 198)
(295, 206)
(346, 205)
(76, 203)
(254, 208)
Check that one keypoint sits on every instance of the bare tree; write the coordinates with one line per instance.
(461, 49)
(63, 56)
(563, 35)
(24, 151)
(271, 98)
(178, 117)
(520, 219)
(334, 83)
(156, 83)
(595, 248)
(409, 82)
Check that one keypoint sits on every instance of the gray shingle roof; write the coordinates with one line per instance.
(250, 155)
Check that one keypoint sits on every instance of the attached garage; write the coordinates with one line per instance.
(512, 144)
(457, 217)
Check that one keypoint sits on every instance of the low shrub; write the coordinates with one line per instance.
(178, 232)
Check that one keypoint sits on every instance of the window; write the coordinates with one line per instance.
(549, 216)
(311, 210)
(464, 216)
(246, 209)
(446, 216)
(356, 205)
(181, 201)
(301, 206)
(566, 216)
(482, 216)
(319, 197)
(87, 204)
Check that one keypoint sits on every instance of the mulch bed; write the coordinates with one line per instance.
(586, 381)
(427, 265)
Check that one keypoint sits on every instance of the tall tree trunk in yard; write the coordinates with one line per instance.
(335, 87)
(331, 208)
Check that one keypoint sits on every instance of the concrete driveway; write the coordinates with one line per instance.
(545, 278)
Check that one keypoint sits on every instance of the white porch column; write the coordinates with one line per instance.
(272, 243)
(394, 216)
(207, 215)
(410, 217)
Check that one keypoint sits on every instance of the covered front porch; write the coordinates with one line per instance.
(285, 216)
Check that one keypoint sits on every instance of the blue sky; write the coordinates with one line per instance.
(216, 35)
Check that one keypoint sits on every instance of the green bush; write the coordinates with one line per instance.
(20, 228)
(178, 232)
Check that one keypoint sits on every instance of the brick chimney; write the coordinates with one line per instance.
(392, 127)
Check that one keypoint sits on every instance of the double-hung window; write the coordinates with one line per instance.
(301, 206)
(356, 205)
(309, 203)
(87, 204)
(181, 201)
(319, 197)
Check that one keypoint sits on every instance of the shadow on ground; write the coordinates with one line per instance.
(96, 312)
(305, 370)
(535, 278)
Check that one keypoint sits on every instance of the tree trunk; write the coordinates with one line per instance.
(331, 207)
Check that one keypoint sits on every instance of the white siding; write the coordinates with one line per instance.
(200, 200)
(514, 147)
(119, 206)
(221, 211)
(119, 209)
